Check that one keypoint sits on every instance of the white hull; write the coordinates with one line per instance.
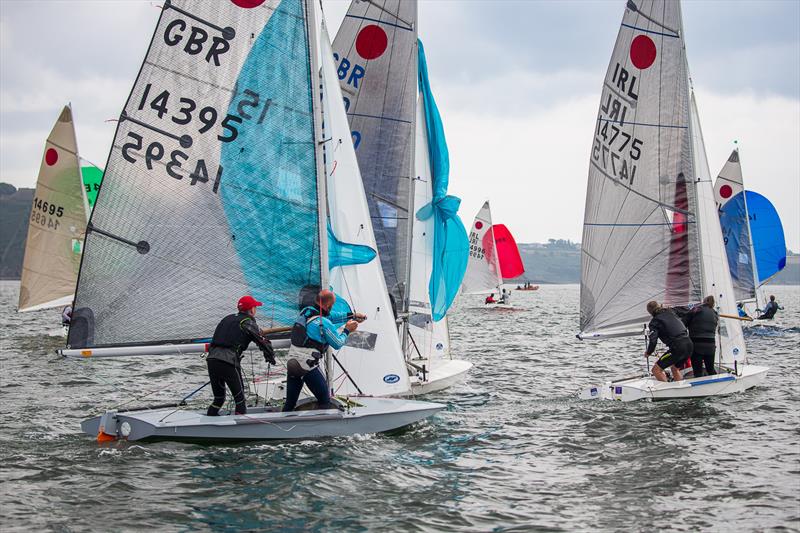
(500, 306)
(440, 374)
(365, 415)
(647, 387)
(443, 373)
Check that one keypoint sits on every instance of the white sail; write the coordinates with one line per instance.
(57, 224)
(483, 269)
(716, 275)
(373, 355)
(429, 338)
(732, 206)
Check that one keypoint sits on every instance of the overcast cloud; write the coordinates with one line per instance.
(518, 84)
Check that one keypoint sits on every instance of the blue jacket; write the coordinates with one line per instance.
(326, 329)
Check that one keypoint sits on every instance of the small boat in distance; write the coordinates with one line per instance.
(493, 256)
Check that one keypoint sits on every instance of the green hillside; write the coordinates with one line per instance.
(15, 208)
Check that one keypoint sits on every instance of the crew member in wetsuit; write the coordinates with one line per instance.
(770, 309)
(702, 322)
(665, 325)
(490, 299)
(313, 332)
(232, 337)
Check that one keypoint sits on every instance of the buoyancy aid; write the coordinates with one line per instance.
(304, 352)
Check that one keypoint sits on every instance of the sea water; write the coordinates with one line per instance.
(514, 450)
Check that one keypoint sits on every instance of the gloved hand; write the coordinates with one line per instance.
(269, 356)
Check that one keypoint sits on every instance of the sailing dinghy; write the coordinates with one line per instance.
(402, 156)
(493, 255)
(215, 187)
(651, 230)
(754, 240)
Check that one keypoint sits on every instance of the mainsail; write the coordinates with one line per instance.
(640, 237)
(733, 217)
(483, 267)
(376, 55)
(92, 178)
(373, 355)
(57, 225)
(211, 187)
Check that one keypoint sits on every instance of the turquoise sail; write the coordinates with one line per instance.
(344, 254)
(450, 241)
(270, 192)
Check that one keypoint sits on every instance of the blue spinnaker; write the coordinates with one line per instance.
(769, 244)
(343, 254)
(450, 241)
(270, 187)
(736, 235)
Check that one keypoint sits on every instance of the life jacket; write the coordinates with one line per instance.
(702, 323)
(304, 352)
(229, 334)
(670, 328)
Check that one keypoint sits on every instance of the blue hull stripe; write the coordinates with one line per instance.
(707, 381)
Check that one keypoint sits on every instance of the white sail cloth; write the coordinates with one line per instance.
(373, 355)
(483, 268)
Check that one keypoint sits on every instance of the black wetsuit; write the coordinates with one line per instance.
(232, 337)
(769, 311)
(665, 325)
(702, 322)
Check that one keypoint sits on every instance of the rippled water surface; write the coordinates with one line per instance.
(514, 451)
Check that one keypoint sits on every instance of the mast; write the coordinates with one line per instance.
(412, 181)
(498, 269)
(322, 210)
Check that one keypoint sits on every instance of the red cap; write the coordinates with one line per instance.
(248, 302)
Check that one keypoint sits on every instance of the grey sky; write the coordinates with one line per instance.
(518, 83)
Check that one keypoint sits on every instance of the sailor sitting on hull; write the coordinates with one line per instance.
(665, 325)
(770, 309)
(490, 299)
(313, 332)
(231, 338)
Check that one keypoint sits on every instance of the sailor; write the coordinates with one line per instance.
(231, 338)
(506, 298)
(770, 309)
(702, 322)
(313, 332)
(741, 311)
(66, 315)
(665, 325)
(490, 299)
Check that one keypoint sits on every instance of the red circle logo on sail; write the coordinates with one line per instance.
(371, 42)
(248, 4)
(725, 191)
(643, 52)
(51, 157)
(478, 224)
